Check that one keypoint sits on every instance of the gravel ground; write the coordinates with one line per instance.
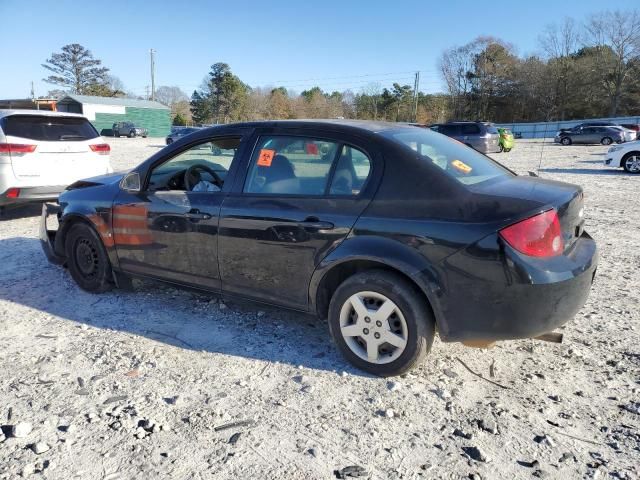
(161, 383)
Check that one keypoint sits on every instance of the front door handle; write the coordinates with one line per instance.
(196, 214)
(314, 224)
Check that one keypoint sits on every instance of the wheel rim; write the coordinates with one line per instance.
(86, 258)
(566, 141)
(373, 327)
(632, 163)
(606, 141)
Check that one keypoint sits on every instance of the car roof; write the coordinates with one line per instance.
(47, 113)
(341, 124)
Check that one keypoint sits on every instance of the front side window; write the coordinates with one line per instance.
(291, 166)
(458, 161)
(201, 168)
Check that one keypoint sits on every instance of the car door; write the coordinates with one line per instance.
(471, 135)
(169, 229)
(299, 198)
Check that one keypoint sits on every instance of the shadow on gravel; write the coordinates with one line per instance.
(583, 171)
(186, 320)
(24, 211)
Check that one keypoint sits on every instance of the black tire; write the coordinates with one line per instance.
(565, 141)
(606, 141)
(132, 134)
(501, 148)
(169, 141)
(116, 133)
(507, 150)
(87, 259)
(629, 168)
(420, 324)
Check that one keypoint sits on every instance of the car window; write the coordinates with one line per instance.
(492, 129)
(211, 161)
(449, 130)
(351, 173)
(283, 165)
(456, 160)
(49, 128)
(470, 129)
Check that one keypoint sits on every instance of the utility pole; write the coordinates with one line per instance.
(153, 75)
(33, 96)
(147, 90)
(416, 86)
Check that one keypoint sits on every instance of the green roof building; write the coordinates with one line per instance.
(103, 112)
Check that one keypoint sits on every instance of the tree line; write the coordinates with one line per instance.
(582, 70)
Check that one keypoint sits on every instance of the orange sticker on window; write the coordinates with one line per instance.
(266, 157)
(463, 167)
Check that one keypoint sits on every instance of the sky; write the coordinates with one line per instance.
(336, 45)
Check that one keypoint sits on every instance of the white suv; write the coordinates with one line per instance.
(42, 152)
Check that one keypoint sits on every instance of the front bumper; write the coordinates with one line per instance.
(32, 194)
(512, 296)
(48, 231)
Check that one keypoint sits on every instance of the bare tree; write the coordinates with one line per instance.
(618, 32)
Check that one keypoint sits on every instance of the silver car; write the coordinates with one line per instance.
(481, 136)
(590, 135)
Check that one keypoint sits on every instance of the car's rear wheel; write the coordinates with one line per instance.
(87, 259)
(606, 141)
(116, 133)
(381, 323)
(132, 134)
(631, 162)
(565, 141)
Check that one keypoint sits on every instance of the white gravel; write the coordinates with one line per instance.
(145, 384)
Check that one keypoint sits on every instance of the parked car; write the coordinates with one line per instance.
(625, 156)
(632, 126)
(481, 136)
(506, 141)
(589, 135)
(42, 152)
(629, 135)
(390, 232)
(129, 129)
(178, 134)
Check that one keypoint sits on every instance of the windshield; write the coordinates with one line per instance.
(455, 159)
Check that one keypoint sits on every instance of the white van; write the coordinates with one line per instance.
(42, 152)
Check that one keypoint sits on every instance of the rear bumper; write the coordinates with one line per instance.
(47, 232)
(513, 296)
(32, 194)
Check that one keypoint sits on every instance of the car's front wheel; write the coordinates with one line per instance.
(565, 141)
(116, 133)
(606, 141)
(631, 162)
(87, 259)
(381, 323)
(132, 134)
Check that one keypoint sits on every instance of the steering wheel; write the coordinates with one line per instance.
(192, 177)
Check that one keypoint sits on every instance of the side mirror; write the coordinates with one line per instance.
(131, 182)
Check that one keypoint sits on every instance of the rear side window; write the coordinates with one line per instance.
(470, 129)
(449, 130)
(456, 160)
(48, 128)
(351, 173)
(291, 166)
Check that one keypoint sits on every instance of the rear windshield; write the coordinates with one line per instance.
(48, 128)
(492, 129)
(455, 159)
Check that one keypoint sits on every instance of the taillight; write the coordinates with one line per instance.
(101, 148)
(16, 148)
(538, 236)
(12, 193)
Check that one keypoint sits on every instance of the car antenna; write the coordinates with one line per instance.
(544, 138)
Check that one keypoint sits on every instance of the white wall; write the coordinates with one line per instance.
(90, 110)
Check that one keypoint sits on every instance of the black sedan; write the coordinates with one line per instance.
(390, 232)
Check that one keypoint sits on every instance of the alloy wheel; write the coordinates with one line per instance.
(632, 164)
(373, 327)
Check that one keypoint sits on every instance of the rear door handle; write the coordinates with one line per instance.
(313, 224)
(196, 214)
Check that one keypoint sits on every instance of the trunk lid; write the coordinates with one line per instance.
(531, 195)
